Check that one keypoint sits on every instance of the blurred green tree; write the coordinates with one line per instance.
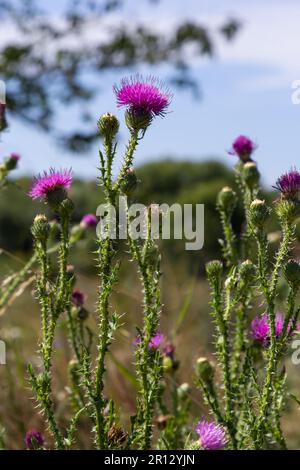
(45, 62)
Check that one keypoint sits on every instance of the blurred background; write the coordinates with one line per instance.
(231, 67)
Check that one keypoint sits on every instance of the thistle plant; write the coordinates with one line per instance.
(54, 296)
(244, 386)
(253, 396)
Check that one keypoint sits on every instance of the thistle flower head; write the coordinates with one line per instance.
(260, 328)
(46, 183)
(89, 220)
(156, 340)
(143, 96)
(78, 298)
(243, 147)
(212, 436)
(34, 439)
(289, 184)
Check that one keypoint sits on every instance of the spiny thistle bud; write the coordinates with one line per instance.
(247, 270)
(250, 174)
(11, 162)
(129, 182)
(292, 272)
(183, 391)
(40, 228)
(108, 125)
(204, 370)
(288, 209)
(137, 121)
(227, 199)
(259, 213)
(167, 364)
(214, 269)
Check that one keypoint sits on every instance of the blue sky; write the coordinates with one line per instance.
(246, 89)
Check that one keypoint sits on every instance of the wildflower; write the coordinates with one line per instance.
(108, 125)
(212, 436)
(129, 182)
(243, 147)
(51, 182)
(78, 298)
(260, 328)
(259, 213)
(289, 184)
(11, 162)
(156, 341)
(34, 440)
(144, 96)
(89, 220)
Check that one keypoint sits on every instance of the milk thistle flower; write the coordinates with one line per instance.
(49, 182)
(34, 440)
(243, 147)
(89, 220)
(289, 184)
(143, 96)
(212, 436)
(260, 328)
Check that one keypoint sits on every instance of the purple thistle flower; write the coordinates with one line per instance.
(15, 156)
(156, 341)
(48, 182)
(212, 436)
(289, 184)
(169, 350)
(89, 220)
(143, 96)
(243, 147)
(34, 439)
(260, 328)
(78, 298)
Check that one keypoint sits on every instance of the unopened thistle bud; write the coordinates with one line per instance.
(247, 270)
(227, 199)
(183, 391)
(129, 182)
(40, 228)
(250, 174)
(214, 269)
(288, 210)
(204, 370)
(11, 162)
(108, 125)
(292, 272)
(259, 213)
